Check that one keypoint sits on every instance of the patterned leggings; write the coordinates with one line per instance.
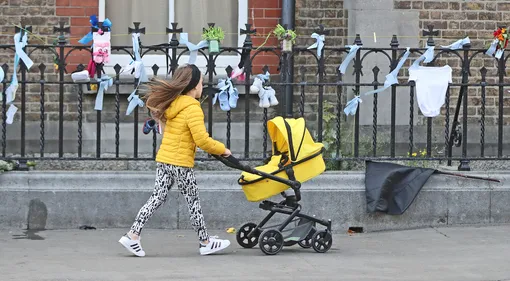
(166, 176)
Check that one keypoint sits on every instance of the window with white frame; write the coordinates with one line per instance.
(157, 15)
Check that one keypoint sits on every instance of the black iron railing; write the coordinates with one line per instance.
(329, 124)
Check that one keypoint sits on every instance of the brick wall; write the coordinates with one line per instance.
(264, 15)
(478, 20)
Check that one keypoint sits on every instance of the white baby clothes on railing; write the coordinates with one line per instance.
(431, 86)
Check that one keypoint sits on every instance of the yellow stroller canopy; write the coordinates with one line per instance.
(296, 157)
(291, 136)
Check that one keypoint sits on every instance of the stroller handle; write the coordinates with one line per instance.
(232, 162)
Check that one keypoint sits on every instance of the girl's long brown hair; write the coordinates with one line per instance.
(161, 93)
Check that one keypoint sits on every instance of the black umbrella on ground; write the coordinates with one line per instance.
(391, 188)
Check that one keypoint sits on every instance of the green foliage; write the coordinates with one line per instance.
(213, 33)
(285, 34)
(6, 166)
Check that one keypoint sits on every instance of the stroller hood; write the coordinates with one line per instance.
(291, 136)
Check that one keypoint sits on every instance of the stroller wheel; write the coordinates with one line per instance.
(271, 242)
(322, 241)
(242, 236)
(307, 242)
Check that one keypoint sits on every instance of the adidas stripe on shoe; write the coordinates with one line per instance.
(132, 246)
(214, 245)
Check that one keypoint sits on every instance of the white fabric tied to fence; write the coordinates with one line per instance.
(391, 79)
(105, 82)
(319, 44)
(459, 44)
(193, 49)
(492, 50)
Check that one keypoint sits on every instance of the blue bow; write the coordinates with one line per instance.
(459, 44)
(94, 24)
(193, 49)
(319, 44)
(391, 79)
(10, 114)
(134, 101)
(264, 77)
(352, 52)
(105, 82)
(88, 37)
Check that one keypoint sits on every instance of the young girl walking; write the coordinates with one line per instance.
(175, 106)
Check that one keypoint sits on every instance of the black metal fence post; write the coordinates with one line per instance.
(61, 72)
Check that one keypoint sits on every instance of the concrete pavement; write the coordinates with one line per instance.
(454, 253)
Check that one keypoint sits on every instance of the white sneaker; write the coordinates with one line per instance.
(133, 246)
(213, 246)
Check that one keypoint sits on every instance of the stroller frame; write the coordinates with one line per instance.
(270, 238)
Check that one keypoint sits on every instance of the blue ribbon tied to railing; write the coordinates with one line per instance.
(353, 49)
(193, 49)
(391, 79)
(319, 43)
(134, 101)
(105, 82)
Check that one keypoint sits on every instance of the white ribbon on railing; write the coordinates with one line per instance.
(134, 101)
(10, 92)
(2, 76)
(319, 44)
(459, 44)
(193, 49)
(391, 79)
(104, 83)
(352, 52)
(10, 114)
(493, 49)
(19, 45)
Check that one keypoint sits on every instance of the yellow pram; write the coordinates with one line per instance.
(296, 158)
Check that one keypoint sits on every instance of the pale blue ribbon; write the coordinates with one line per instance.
(353, 49)
(459, 44)
(352, 106)
(391, 79)
(427, 57)
(319, 44)
(264, 77)
(20, 54)
(492, 48)
(2, 75)
(193, 49)
(134, 101)
(104, 83)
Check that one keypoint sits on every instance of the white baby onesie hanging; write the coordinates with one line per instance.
(431, 86)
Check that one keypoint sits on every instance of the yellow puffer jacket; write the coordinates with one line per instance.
(184, 131)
